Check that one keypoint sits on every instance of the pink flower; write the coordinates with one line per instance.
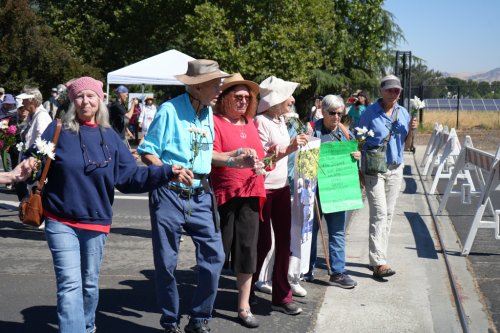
(1, 144)
(12, 129)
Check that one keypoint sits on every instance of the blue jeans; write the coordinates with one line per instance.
(170, 212)
(77, 256)
(336, 242)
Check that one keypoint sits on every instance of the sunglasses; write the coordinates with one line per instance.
(393, 90)
(333, 113)
(240, 98)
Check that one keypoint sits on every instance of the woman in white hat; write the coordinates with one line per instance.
(276, 100)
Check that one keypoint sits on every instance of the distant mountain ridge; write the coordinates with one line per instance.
(489, 76)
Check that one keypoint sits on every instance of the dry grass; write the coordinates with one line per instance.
(466, 119)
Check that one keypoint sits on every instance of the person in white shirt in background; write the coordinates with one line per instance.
(147, 115)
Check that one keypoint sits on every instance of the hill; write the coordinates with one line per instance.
(489, 76)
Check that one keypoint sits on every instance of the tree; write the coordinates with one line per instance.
(30, 54)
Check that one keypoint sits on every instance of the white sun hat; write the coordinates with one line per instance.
(274, 91)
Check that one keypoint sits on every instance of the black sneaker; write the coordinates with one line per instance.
(288, 308)
(342, 280)
(197, 326)
(308, 277)
(173, 329)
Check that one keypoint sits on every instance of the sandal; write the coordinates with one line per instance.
(248, 320)
(383, 271)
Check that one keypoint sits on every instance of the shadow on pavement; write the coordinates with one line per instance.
(423, 240)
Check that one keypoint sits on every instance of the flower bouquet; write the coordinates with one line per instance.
(416, 104)
(45, 149)
(361, 134)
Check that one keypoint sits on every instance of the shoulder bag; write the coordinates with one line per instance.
(30, 208)
(375, 159)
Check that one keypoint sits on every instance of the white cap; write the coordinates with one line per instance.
(25, 96)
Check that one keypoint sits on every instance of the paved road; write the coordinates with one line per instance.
(417, 299)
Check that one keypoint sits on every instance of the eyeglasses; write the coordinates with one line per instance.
(333, 113)
(91, 164)
(240, 98)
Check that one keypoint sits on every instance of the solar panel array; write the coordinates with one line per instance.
(465, 104)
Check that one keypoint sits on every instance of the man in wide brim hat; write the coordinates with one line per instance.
(200, 71)
(182, 134)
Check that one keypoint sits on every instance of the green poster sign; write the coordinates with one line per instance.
(338, 179)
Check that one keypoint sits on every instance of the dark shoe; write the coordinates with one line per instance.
(342, 280)
(198, 326)
(383, 271)
(253, 301)
(248, 319)
(173, 329)
(288, 308)
(308, 277)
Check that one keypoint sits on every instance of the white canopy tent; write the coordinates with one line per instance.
(157, 70)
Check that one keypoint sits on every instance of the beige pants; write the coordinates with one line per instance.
(382, 192)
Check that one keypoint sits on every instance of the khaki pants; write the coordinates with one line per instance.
(382, 192)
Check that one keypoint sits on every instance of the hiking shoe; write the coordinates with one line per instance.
(173, 329)
(342, 280)
(197, 326)
(264, 287)
(383, 271)
(298, 290)
(288, 308)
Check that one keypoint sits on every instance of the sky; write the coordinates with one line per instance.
(452, 36)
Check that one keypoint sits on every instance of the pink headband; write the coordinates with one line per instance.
(84, 83)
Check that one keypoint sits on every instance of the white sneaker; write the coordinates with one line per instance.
(298, 290)
(264, 287)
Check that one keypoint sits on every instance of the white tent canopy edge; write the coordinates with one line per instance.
(156, 70)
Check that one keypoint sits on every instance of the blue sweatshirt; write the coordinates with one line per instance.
(87, 168)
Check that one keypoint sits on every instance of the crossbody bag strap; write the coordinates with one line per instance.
(41, 182)
(388, 137)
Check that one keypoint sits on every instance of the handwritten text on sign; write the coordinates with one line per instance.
(338, 179)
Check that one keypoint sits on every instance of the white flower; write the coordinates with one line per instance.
(4, 125)
(416, 103)
(21, 147)
(45, 148)
(198, 131)
(363, 137)
(370, 133)
(361, 131)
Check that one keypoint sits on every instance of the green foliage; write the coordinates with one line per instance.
(31, 55)
(327, 46)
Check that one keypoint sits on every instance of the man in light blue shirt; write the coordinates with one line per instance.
(387, 119)
(182, 132)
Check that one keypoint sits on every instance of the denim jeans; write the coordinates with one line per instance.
(336, 241)
(170, 212)
(382, 193)
(77, 256)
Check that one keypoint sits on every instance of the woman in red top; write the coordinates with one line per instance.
(238, 188)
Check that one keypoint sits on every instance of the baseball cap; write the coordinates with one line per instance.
(121, 89)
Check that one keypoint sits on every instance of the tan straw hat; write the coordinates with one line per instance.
(273, 91)
(237, 79)
(201, 70)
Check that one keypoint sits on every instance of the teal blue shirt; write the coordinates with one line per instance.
(169, 137)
